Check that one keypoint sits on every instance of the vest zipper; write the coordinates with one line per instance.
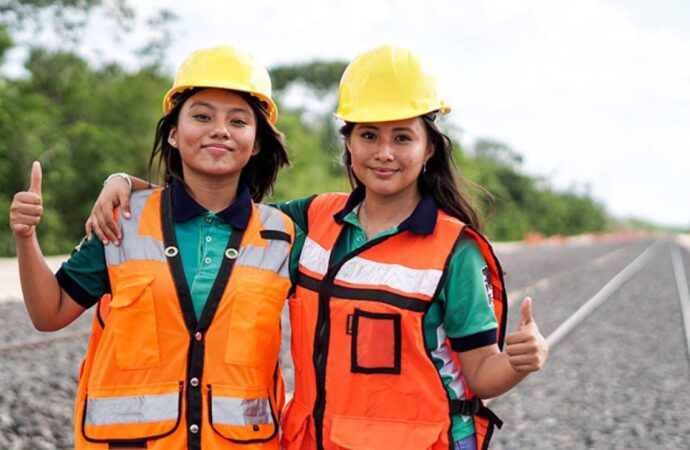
(196, 327)
(322, 335)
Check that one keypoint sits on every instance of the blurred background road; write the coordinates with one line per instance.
(620, 379)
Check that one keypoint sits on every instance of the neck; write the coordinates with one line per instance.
(382, 212)
(213, 193)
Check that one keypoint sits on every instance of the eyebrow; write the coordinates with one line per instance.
(211, 106)
(372, 127)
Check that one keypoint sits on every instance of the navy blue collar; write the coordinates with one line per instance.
(422, 220)
(184, 207)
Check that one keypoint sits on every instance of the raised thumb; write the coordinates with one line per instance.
(526, 312)
(36, 178)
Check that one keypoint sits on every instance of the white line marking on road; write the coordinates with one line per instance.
(683, 295)
(600, 297)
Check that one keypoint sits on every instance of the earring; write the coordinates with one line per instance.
(424, 166)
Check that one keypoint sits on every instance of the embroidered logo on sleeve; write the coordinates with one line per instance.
(78, 247)
(487, 286)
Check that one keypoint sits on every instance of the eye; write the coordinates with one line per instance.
(368, 136)
(403, 138)
(202, 117)
(239, 122)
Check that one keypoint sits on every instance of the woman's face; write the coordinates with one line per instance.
(387, 157)
(215, 134)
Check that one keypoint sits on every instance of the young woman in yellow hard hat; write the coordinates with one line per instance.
(184, 350)
(399, 309)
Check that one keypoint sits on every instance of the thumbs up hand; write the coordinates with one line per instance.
(526, 348)
(27, 206)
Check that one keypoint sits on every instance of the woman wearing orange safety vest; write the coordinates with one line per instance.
(393, 328)
(184, 350)
(399, 309)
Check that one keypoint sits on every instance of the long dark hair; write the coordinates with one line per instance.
(260, 172)
(440, 178)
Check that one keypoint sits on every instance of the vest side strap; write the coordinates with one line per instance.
(474, 407)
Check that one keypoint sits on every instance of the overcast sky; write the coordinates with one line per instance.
(591, 93)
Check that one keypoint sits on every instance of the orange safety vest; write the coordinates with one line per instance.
(154, 376)
(363, 376)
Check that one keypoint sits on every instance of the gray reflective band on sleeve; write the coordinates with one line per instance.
(271, 218)
(271, 258)
(133, 246)
(275, 256)
(238, 411)
(135, 409)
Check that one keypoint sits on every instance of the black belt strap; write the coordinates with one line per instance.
(474, 407)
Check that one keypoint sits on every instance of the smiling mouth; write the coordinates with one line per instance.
(217, 147)
(381, 170)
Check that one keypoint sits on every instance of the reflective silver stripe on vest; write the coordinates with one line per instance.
(133, 246)
(274, 257)
(314, 257)
(134, 409)
(238, 411)
(271, 218)
(405, 279)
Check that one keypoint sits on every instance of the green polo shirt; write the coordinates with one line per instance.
(462, 311)
(202, 237)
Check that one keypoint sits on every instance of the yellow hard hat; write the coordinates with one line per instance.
(224, 67)
(387, 83)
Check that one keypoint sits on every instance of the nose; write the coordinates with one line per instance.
(384, 152)
(220, 130)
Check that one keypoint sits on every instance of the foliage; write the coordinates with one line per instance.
(322, 76)
(81, 124)
(66, 17)
(85, 122)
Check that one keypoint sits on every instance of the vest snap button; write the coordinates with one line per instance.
(194, 428)
(194, 382)
(198, 336)
(231, 253)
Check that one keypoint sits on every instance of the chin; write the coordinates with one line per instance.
(383, 191)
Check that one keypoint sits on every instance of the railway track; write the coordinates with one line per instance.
(618, 372)
(616, 315)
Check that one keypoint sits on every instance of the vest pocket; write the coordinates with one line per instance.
(360, 433)
(133, 319)
(254, 329)
(242, 415)
(131, 413)
(376, 342)
(297, 425)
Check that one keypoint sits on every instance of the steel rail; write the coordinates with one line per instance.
(683, 293)
(604, 294)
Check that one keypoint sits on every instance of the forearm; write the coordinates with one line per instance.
(494, 376)
(42, 293)
(139, 185)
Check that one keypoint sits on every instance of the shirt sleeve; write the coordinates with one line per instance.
(300, 237)
(297, 211)
(84, 276)
(469, 317)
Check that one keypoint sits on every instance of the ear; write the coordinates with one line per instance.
(257, 147)
(346, 142)
(172, 137)
(430, 150)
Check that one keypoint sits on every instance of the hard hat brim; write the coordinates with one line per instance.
(272, 109)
